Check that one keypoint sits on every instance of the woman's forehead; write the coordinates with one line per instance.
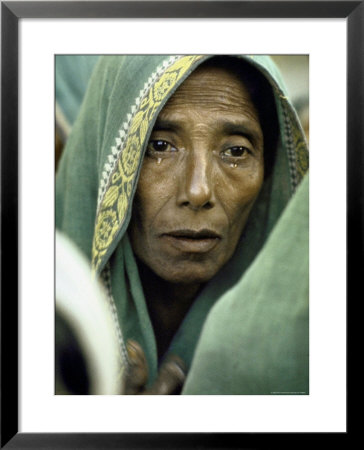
(215, 88)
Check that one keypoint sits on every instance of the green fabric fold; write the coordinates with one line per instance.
(256, 339)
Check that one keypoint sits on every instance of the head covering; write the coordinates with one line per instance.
(99, 171)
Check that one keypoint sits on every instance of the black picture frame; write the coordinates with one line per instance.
(11, 12)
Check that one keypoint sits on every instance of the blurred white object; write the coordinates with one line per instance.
(82, 303)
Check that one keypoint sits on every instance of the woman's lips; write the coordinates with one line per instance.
(191, 241)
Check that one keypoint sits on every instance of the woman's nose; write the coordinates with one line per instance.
(197, 191)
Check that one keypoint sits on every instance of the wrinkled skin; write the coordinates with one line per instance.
(201, 175)
(195, 177)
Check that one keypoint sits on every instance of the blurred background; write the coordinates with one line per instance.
(295, 71)
(72, 73)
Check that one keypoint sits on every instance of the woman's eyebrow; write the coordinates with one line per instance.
(239, 129)
(227, 127)
(166, 125)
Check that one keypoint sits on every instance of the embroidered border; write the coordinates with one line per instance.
(294, 141)
(120, 140)
(120, 171)
(297, 151)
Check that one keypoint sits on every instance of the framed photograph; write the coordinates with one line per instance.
(34, 34)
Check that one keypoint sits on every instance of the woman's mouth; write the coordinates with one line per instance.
(192, 241)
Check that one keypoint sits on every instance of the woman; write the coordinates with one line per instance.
(103, 179)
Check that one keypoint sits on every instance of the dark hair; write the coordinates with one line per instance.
(261, 93)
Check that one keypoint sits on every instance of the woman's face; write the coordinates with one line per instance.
(201, 175)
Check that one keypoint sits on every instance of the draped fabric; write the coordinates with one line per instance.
(255, 340)
(98, 175)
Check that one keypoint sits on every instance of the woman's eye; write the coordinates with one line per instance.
(236, 152)
(159, 145)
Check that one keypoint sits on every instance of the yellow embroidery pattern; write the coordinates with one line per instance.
(302, 156)
(295, 142)
(114, 205)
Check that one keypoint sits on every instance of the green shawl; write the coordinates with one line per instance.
(98, 174)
